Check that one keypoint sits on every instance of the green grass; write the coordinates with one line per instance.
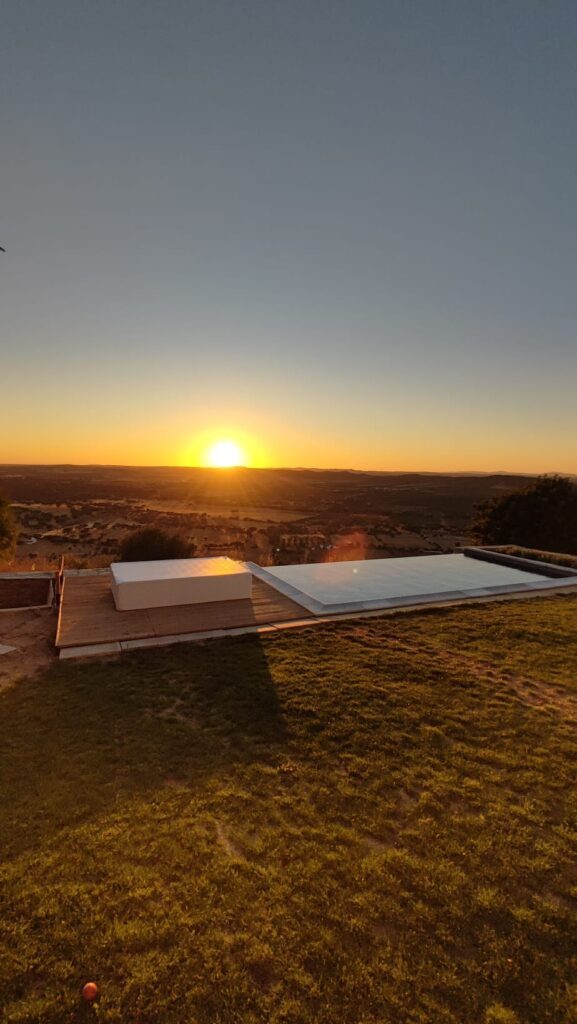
(365, 823)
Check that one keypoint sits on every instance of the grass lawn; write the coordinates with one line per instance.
(366, 823)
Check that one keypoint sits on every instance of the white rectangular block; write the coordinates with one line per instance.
(176, 581)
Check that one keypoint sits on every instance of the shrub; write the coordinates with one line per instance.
(543, 516)
(8, 530)
(151, 543)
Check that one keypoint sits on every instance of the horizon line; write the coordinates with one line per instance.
(293, 469)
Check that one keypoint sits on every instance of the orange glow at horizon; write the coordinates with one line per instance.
(179, 438)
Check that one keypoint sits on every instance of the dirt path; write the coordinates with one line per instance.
(31, 633)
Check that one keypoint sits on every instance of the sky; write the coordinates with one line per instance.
(338, 234)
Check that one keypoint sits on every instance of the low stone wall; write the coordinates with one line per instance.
(524, 564)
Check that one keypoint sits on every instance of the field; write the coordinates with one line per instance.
(272, 517)
(365, 823)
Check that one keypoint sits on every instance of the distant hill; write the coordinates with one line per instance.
(288, 487)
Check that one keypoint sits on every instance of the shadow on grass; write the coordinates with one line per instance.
(80, 738)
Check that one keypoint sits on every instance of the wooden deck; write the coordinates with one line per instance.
(88, 614)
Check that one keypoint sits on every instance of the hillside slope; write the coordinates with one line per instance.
(372, 821)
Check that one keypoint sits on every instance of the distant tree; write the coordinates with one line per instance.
(151, 543)
(8, 530)
(543, 516)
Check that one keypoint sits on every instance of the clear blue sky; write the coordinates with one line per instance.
(344, 231)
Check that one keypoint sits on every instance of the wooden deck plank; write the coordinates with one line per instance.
(88, 614)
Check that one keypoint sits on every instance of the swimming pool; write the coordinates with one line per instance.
(331, 587)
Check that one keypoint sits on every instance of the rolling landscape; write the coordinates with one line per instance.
(267, 516)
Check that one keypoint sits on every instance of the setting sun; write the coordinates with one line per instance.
(224, 448)
(225, 455)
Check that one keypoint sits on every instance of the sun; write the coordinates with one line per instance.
(226, 447)
(225, 455)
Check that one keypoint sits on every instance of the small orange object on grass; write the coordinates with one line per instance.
(90, 991)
